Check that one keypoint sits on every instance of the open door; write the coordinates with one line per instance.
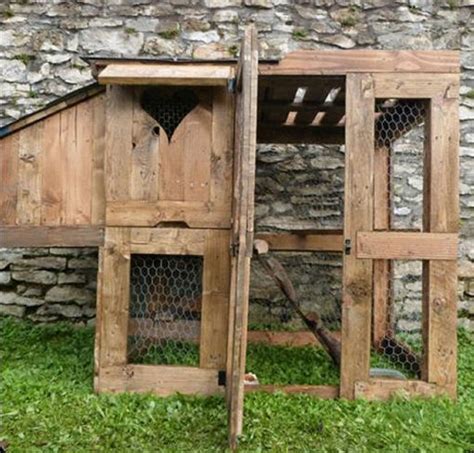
(243, 228)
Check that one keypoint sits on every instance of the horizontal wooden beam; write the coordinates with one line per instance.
(321, 241)
(171, 241)
(384, 389)
(143, 213)
(415, 85)
(165, 74)
(51, 236)
(340, 62)
(160, 380)
(407, 246)
(287, 134)
(318, 391)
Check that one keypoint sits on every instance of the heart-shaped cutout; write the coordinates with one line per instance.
(168, 109)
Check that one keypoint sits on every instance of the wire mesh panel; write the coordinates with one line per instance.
(400, 132)
(165, 309)
(294, 355)
(298, 189)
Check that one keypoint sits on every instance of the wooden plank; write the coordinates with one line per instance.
(51, 236)
(193, 214)
(53, 187)
(382, 276)
(243, 214)
(394, 245)
(170, 241)
(160, 380)
(78, 178)
(145, 149)
(220, 190)
(340, 62)
(358, 215)
(115, 293)
(162, 74)
(98, 161)
(415, 85)
(291, 134)
(328, 392)
(118, 148)
(29, 176)
(215, 301)
(320, 241)
(98, 320)
(384, 389)
(441, 215)
(9, 158)
(197, 145)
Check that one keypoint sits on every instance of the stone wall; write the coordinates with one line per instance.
(41, 42)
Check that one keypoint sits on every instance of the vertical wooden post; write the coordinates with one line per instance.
(441, 215)
(114, 294)
(382, 268)
(358, 216)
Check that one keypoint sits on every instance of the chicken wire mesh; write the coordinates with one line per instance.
(400, 130)
(165, 309)
(298, 189)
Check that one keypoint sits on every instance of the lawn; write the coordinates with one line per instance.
(47, 404)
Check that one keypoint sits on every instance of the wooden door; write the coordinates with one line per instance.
(243, 228)
(381, 109)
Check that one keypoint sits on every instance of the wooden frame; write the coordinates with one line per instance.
(113, 372)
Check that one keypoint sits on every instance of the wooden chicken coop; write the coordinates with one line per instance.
(156, 166)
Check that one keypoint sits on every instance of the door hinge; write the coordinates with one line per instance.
(347, 246)
(234, 248)
(221, 377)
(231, 85)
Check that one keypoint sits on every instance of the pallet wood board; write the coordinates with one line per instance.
(395, 245)
(163, 74)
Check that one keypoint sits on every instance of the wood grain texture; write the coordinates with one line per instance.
(315, 62)
(358, 216)
(171, 241)
(51, 236)
(115, 294)
(394, 245)
(415, 85)
(382, 272)
(53, 188)
(384, 389)
(160, 380)
(162, 74)
(98, 162)
(118, 143)
(215, 300)
(30, 175)
(9, 154)
(243, 215)
(441, 215)
(142, 213)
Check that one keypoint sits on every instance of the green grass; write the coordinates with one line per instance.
(48, 405)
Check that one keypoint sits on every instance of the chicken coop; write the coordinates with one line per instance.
(156, 165)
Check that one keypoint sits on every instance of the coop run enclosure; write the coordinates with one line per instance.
(354, 269)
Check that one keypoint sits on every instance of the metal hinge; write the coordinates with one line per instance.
(221, 377)
(231, 85)
(347, 246)
(234, 248)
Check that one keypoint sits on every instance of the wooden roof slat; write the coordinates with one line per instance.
(161, 74)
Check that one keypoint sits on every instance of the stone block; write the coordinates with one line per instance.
(35, 276)
(69, 293)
